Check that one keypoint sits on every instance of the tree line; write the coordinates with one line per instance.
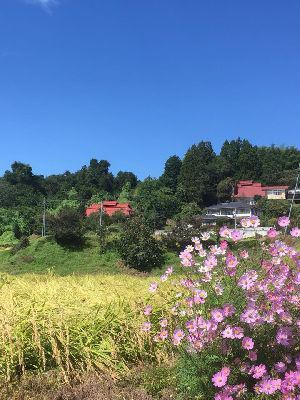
(186, 186)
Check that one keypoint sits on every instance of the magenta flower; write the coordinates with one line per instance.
(247, 343)
(272, 233)
(147, 310)
(178, 335)
(153, 287)
(146, 326)
(163, 322)
(163, 334)
(220, 378)
(227, 333)
(268, 386)
(238, 332)
(295, 232)
(259, 371)
(217, 315)
(280, 367)
(236, 235)
(284, 336)
(283, 221)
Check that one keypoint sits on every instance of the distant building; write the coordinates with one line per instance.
(294, 194)
(250, 189)
(232, 210)
(110, 208)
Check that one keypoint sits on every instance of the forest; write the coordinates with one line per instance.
(185, 187)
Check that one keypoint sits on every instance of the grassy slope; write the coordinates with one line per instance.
(44, 256)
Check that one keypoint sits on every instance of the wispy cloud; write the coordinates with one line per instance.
(45, 4)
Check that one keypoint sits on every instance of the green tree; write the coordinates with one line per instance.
(225, 189)
(195, 178)
(137, 246)
(67, 227)
(171, 173)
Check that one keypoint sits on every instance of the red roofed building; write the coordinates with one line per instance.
(110, 207)
(249, 189)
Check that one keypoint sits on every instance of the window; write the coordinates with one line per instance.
(275, 192)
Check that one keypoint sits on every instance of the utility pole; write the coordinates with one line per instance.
(101, 230)
(101, 215)
(294, 194)
(44, 218)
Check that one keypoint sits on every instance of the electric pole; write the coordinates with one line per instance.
(294, 194)
(44, 218)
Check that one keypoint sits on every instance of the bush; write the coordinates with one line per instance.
(7, 239)
(137, 246)
(67, 227)
(22, 244)
(235, 316)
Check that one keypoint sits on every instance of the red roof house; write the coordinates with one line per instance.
(249, 189)
(110, 207)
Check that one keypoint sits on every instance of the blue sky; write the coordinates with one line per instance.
(135, 81)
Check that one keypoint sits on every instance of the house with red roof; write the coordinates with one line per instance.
(249, 189)
(110, 208)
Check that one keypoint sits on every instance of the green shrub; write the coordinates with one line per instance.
(7, 239)
(137, 246)
(22, 244)
(66, 226)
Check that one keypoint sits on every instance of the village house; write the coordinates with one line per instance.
(249, 189)
(231, 211)
(110, 208)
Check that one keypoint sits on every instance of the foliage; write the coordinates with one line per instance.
(188, 212)
(194, 175)
(225, 189)
(66, 226)
(270, 209)
(157, 203)
(22, 244)
(235, 316)
(171, 173)
(137, 246)
(180, 235)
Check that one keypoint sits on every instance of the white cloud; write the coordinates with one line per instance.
(46, 4)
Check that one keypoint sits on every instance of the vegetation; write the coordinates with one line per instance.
(137, 246)
(202, 177)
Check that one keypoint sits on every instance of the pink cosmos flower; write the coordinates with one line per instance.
(238, 332)
(178, 335)
(283, 221)
(245, 223)
(217, 315)
(225, 232)
(146, 326)
(228, 310)
(227, 333)
(169, 270)
(220, 378)
(163, 334)
(244, 254)
(258, 371)
(268, 386)
(284, 336)
(254, 221)
(280, 367)
(163, 322)
(236, 235)
(247, 343)
(272, 233)
(252, 355)
(153, 287)
(295, 232)
(147, 310)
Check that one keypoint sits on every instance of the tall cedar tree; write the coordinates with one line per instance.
(171, 173)
(195, 179)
